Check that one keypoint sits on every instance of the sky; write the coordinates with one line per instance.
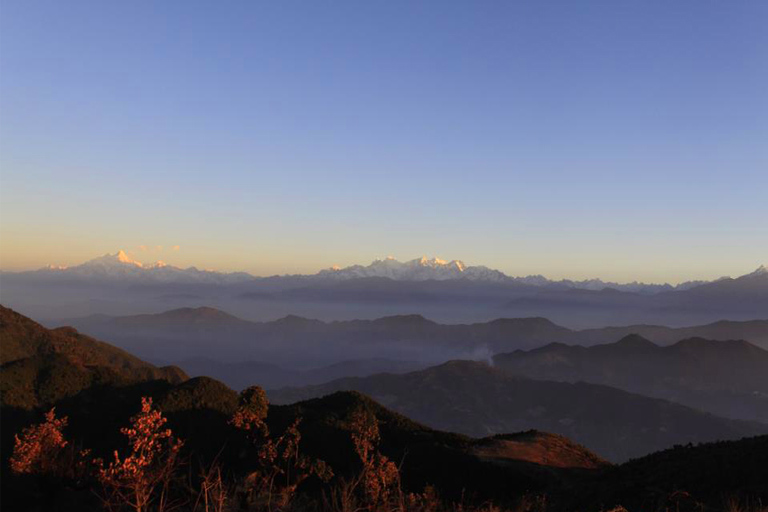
(616, 139)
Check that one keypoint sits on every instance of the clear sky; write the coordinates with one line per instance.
(619, 139)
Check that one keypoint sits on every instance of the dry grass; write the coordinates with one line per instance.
(735, 504)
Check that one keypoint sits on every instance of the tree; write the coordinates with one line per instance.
(251, 412)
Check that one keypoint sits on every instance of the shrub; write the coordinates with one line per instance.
(281, 467)
(379, 476)
(377, 485)
(38, 449)
(143, 477)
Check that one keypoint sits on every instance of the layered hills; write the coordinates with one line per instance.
(478, 400)
(213, 334)
(520, 464)
(728, 378)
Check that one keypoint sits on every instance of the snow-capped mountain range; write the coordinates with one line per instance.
(421, 269)
(122, 268)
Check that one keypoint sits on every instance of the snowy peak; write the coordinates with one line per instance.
(436, 263)
(419, 269)
(117, 260)
(122, 257)
(120, 267)
(120, 260)
(433, 263)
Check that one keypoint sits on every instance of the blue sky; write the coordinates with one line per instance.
(626, 140)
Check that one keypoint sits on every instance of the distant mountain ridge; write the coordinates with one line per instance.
(423, 269)
(727, 378)
(213, 334)
(420, 269)
(120, 266)
(446, 291)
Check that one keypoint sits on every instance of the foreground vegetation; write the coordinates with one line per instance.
(154, 476)
(259, 469)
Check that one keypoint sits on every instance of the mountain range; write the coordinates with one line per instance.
(300, 343)
(447, 291)
(423, 269)
(119, 266)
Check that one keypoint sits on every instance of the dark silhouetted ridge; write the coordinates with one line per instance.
(403, 321)
(635, 341)
(295, 321)
(201, 315)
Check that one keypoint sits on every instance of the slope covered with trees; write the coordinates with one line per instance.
(41, 366)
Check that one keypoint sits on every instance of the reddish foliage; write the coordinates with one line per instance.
(38, 448)
(135, 479)
(380, 476)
